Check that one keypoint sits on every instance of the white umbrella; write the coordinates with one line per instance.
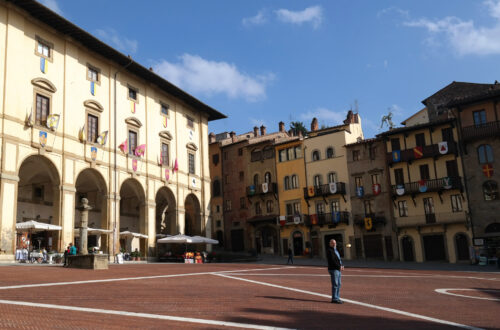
(207, 240)
(33, 225)
(179, 239)
(129, 233)
(93, 231)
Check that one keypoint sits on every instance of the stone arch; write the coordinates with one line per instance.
(192, 217)
(133, 216)
(91, 184)
(44, 84)
(166, 212)
(408, 248)
(266, 239)
(39, 199)
(94, 105)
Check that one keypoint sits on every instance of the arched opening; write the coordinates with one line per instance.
(220, 237)
(192, 224)
(91, 185)
(492, 228)
(266, 240)
(407, 245)
(298, 243)
(166, 220)
(133, 231)
(462, 246)
(38, 199)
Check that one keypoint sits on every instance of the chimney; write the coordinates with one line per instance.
(263, 130)
(349, 118)
(281, 127)
(314, 124)
(211, 137)
(233, 136)
(255, 131)
(300, 134)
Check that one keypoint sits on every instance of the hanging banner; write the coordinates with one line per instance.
(43, 64)
(102, 138)
(314, 219)
(140, 150)
(132, 106)
(42, 137)
(53, 122)
(134, 165)
(81, 134)
(368, 223)
(335, 217)
(396, 156)
(265, 187)
(360, 191)
(400, 189)
(422, 186)
(193, 182)
(333, 187)
(443, 147)
(310, 191)
(93, 88)
(93, 153)
(164, 121)
(167, 174)
(251, 190)
(282, 220)
(376, 189)
(296, 219)
(447, 182)
(123, 147)
(488, 170)
(418, 152)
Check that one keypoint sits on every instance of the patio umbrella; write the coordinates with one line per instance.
(207, 240)
(129, 233)
(95, 231)
(178, 239)
(34, 226)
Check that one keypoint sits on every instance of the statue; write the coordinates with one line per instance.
(387, 120)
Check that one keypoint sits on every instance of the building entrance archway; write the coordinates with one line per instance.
(133, 216)
(407, 245)
(192, 219)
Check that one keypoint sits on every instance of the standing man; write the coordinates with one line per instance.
(72, 249)
(290, 256)
(334, 268)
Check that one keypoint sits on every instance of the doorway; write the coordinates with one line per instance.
(407, 244)
(298, 243)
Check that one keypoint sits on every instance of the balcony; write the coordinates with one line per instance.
(377, 218)
(408, 155)
(431, 219)
(324, 190)
(474, 132)
(253, 190)
(333, 218)
(436, 185)
(294, 219)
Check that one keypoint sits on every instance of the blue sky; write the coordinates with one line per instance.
(260, 62)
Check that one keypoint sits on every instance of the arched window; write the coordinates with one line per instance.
(332, 177)
(216, 188)
(330, 152)
(315, 155)
(295, 181)
(490, 190)
(267, 177)
(485, 154)
(287, 182)
(257, 208)
(269, 206)
(317, 180)
(256, 179)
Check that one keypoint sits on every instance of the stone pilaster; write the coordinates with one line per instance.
(8, 200)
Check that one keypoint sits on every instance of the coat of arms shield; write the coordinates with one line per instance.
(43, 138)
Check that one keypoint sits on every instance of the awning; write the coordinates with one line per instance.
(129, 233)
(93, 231)
(33, 225)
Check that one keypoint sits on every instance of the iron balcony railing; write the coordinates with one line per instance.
(324, 190)
(294, 219)
(429, 151)
(333, 218)
(481, 131)
(259, 189)
(377, 218)
(423, 186)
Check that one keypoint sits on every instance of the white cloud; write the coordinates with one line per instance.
(52, 5)
(326, 115)
(313, 15)
(258, 19)
(111, 36)
(210, 77)
(464, 36)
(399, 11)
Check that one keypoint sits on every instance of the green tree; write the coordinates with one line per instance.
(298, 126)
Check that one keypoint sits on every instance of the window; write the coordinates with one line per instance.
(38, 193)
(132, 94)
(164, 154)
(132, 141)
(282, 155)
(217, 209)
(43, 49)
(320, 208)
(290, 153)
(398, 176)
(164, 109)
(292, 208)
(256, 179)
(228, 205)
(315, 155)
(256, 155)
(403, 208)
(267, 177)
(269, 206)
(456, 203)
(242, 176)
(216, 188)
(447, 134)
(490, 190)
(373, 153)
(317, 180)
(287, 183)
(243, 204)
(218, 222)
(452, 168)
(268, 153)
(215, 159)
(258, 210)
(240, 151)
(428, 205)
(485, 154)
(395, 144)
(420, 139)
(330, 153)
(355, 155)
(332, 177)
(335, 205)
(190, 121)
(191, 163)
(375, 178)
(298, 152)
(424, 172)
(479, 117)
(358, 180)
(295, 181)
(368, 207)
(92, 128)
(42, 109)
(92, 74)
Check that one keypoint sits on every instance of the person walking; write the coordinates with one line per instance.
(334, 268)
(290, 256)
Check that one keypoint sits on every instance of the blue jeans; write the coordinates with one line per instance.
(335, 277)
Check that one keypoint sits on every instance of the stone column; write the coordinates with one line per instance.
(84, 225)
(8, 210)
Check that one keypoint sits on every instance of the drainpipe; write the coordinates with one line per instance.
(308, 213)
(115, 176)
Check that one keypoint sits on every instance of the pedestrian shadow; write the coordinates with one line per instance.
(295, 299)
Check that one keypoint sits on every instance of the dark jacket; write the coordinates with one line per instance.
(333, 261)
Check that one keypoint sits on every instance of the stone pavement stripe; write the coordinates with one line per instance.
(143, 315)
(369, 275)
(131, 278)
(445, 291)
(391, 310)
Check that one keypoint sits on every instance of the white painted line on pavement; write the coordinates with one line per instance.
(445, 291)
(391, 310)
(142, 315)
